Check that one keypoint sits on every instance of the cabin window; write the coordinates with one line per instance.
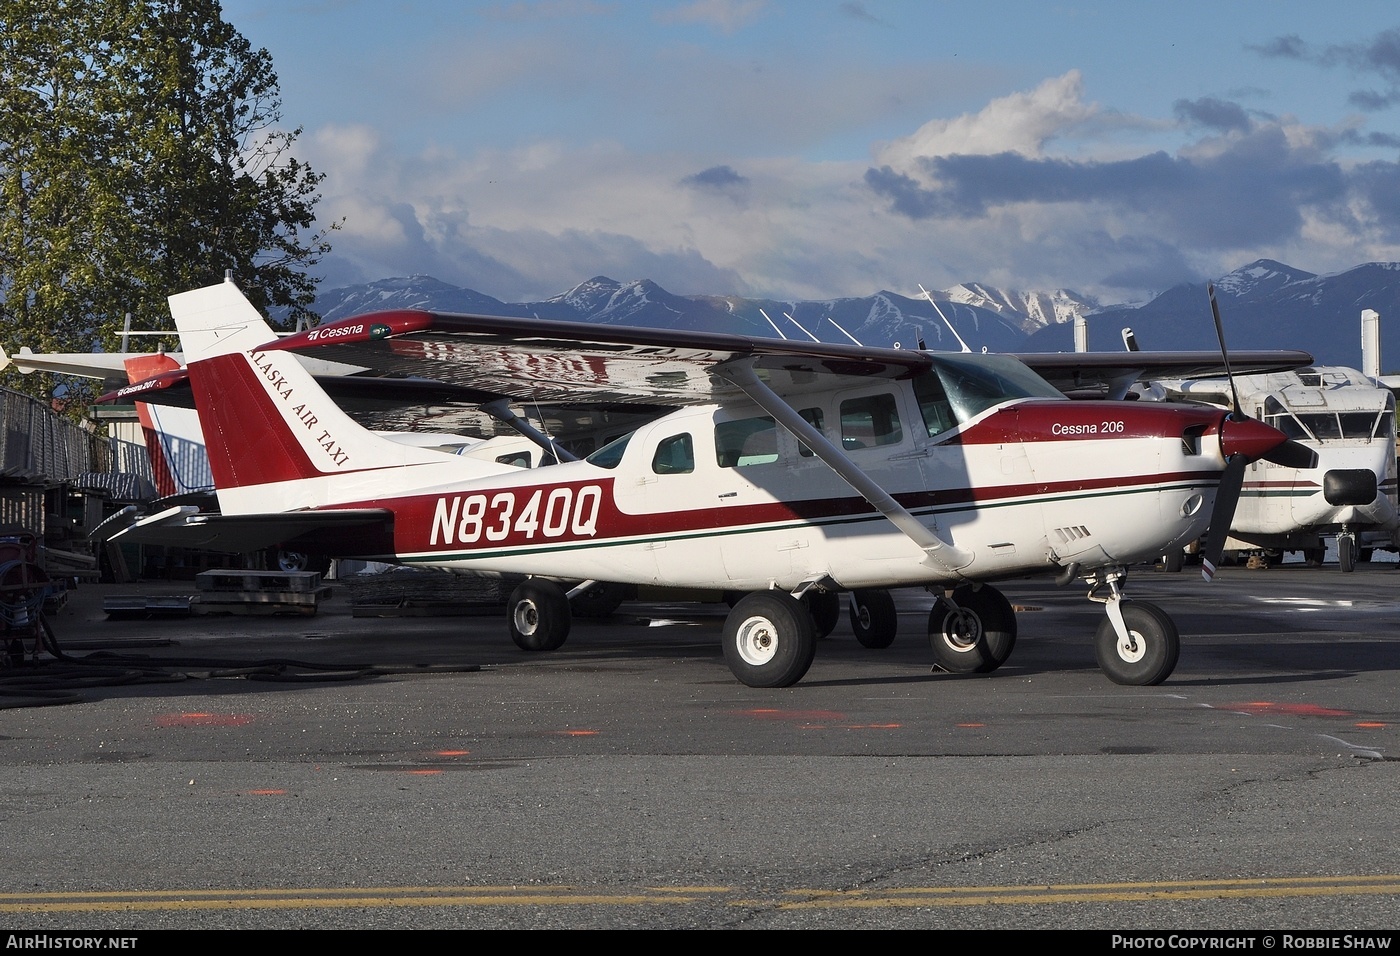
(813, 417)
(748, 441)
(870, 421)
(933, 404)
(674, 456)
(610, 454)
(520, 459)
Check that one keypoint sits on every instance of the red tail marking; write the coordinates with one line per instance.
(248, 441)
(139, 368)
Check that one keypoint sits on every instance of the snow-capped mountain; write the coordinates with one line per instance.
(1033, 310)
(1265, 304)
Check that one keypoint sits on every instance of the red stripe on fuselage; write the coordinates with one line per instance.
(580, 511)
(1035, 421)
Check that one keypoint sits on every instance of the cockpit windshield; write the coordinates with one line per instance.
(610, 454)
(1328, 426)
(974, 384)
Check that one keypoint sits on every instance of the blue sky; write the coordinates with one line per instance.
(823, 149)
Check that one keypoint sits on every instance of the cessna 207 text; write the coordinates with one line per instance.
(789, 472)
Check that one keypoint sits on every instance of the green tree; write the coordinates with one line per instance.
(141, 155)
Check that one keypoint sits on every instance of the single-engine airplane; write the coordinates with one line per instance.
(790, 472)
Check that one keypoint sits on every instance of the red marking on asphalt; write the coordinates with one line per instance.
(423, 772)
(1291, 710)
(802, 716)
(577, 733)
(267, 793)
(203, 720)
(874, 726)
(969, 726)
(453, 753)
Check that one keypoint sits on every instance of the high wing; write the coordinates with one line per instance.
(1112, 374)
(529, 360)
(412, 404)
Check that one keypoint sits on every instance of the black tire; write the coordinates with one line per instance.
(825, 608)
(538, 615)
(600, 599)
(874, 618)
(769, 640)
(1173, 560)
(291, 561)
(1346, 552)
(975, 637)
(1153, 654)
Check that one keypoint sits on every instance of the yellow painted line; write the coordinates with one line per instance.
(811, 898)
(1278, 888)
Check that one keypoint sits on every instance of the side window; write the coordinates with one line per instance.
(674, 456)
(933, 404)
(813, 417)
(750, 441)
(870, 421)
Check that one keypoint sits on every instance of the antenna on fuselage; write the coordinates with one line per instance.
(843, 331)
(944, 318)
(809, 335)
(774, 324)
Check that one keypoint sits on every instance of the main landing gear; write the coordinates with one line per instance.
(972, 631)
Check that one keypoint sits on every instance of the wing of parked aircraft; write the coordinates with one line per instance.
(1113, 374)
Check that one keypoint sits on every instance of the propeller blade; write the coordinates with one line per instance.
(1293, 454)
(1224, 354)
(1227, 495)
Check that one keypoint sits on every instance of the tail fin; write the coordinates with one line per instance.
(270, 430)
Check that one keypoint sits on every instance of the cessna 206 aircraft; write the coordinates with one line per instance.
(791, 472)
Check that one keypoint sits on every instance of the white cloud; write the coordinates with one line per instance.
(1019, 123)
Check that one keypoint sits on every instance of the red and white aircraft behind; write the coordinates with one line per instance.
(791, 472)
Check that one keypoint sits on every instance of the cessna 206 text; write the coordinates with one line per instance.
(789, 472)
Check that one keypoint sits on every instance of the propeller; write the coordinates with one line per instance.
(1223, 514)
(1242, 440)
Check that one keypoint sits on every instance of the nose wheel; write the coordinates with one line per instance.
(1137, 643)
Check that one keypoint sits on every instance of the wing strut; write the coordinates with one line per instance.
(501, 411)
(940, 554)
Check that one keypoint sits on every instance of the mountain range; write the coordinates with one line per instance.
(1265, 304)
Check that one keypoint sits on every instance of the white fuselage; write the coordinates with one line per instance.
(1348, 421)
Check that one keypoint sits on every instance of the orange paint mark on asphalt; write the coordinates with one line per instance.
(453, 753)
(577, 733)
(801, 716)
(1370, 724)
(969, 726)
(267, 793)
(1290, 710)
(423, 772)
(203, 720)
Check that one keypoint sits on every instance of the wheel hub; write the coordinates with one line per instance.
(757, 641)
(962, 630)
(527, 618)
(1133, 649)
